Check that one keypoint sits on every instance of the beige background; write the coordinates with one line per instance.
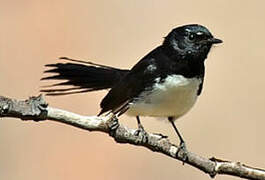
(227, 122)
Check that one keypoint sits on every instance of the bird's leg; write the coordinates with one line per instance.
(140, 126)
(140, 131)
(182, 146)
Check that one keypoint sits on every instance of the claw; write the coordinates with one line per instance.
(161, 135)
(113, 126)
(182, 152)
(142, 134)
(139, 130)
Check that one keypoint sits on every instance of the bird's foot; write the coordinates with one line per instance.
(142, 134)
(182, 152)
(113, 125)
(161, 135)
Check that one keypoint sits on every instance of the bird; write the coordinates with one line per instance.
(164, 83)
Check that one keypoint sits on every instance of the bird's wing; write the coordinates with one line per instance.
(200, 86)
(141, 76)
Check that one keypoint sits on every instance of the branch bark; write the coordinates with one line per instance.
(35, 108)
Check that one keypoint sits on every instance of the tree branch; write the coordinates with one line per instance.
(35, 108)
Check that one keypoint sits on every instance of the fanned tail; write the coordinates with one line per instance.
(84, 76)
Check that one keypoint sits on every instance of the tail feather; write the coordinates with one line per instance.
(86, 76)
(55, 92)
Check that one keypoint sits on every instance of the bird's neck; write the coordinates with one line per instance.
(189, 66)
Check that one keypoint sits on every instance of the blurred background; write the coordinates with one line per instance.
(227, 121)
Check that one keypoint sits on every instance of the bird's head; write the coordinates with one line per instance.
(190, 41)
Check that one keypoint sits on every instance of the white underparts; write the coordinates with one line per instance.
(174, 96)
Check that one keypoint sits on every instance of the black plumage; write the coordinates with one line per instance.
(174, 69)
(85, 76)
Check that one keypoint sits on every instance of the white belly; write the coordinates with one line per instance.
(173, 97)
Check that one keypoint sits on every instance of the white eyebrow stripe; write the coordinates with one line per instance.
(199, 33)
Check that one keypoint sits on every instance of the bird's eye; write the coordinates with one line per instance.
(191, 36)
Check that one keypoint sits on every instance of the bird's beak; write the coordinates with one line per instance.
(214, 41)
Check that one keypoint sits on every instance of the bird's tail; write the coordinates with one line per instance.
(83, 76)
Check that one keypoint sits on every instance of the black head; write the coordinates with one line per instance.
(190, 42)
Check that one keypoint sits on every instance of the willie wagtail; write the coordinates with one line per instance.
(164, 83)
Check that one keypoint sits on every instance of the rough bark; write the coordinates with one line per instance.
(35, 108)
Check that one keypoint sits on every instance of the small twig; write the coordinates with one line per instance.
(35, 108)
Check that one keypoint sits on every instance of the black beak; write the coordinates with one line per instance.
(214, 41)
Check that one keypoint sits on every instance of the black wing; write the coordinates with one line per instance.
(200, 87)
(140, 77)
